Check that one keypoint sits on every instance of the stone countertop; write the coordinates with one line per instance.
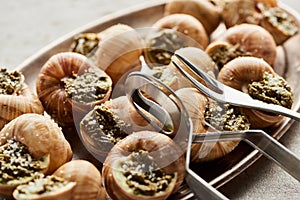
(27, 26)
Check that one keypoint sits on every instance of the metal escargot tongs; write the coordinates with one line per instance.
(150, 96)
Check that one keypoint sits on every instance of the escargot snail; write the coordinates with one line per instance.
(144, 165)
(69, 85)
(16, 98)
(40, 139)
(257, 78)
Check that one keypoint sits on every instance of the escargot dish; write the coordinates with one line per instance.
(144, 165)
(16, 98)
(69, 85)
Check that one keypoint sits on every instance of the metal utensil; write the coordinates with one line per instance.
(225, 94)
(148, 95)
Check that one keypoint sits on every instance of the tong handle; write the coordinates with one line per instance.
(261, 141)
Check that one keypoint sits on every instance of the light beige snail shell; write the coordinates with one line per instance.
(24, 101)
(204, 11)
(87, 177)
(118, 51)
(166, 153)
(252, 39)
(42, 136)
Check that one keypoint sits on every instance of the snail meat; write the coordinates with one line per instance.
(272, 89)
(45, 188)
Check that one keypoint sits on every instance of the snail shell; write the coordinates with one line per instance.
(42, 136)
(204, 11)
(118, 51)
(23, 101)
(240, 11)
(118, 119)
(278, 22)
(171, 33)
(87, 178)
(185, 24)
(251, 39)
(196, 103)
(51, 87)
(242, 71)
(166, 154)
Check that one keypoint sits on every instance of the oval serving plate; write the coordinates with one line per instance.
(216, 173)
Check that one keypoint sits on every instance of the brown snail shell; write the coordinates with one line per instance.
(171, 33)
(63, 193)
(166, 154)
(196, 103)
(51, 87)
(42, 136)
(118, 51)
(240, 11)
(87, 178)
(185, 24)
(23, 101)
(237, 74)
(252, 39)
(278, 22)
(204, 11)
(121, 118)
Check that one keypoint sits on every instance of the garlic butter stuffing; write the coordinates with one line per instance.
(10, 82)
(144, 165)
(45, 187)
(17, 163)
(16, 98)
(69, 85)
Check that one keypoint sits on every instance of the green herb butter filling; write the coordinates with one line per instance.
(272, 89)
(85, 44)
(280, 19)
(225, 117)
(163, 45)
(16, 162)
(143, 175)
(226, 53)
(104, 126)
(10, 82)
(88, 87)
(41, 185)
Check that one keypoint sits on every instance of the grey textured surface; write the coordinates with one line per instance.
(27, 26)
